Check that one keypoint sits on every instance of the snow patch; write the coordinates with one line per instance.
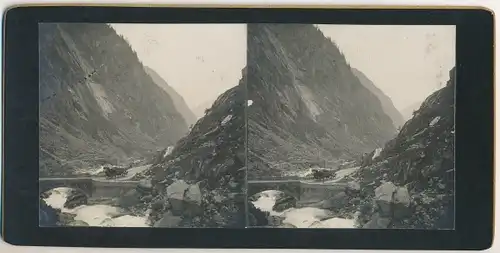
(376, 153)
(249, 102)
(226, 120)
(168, 151)
(434, 121)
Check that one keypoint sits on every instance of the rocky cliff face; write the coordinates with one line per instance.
(97, 102)
(411, 182)
(179, 102)
(387, 105)
(307, 104)
(200, 183)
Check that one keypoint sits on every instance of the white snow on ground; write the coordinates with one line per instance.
(249, 102)
(94, 215)
(226, 120)
(168, 151)
(376, 153)
(434, 121)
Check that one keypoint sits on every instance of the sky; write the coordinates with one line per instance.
(201, 61)
(407, 63)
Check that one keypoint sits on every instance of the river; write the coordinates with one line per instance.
(99, 215)
(306, 217)
(102, 215)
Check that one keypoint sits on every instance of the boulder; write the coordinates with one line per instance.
(392, 201)
(185, 199)
(275, 221)
(145, 187)
(384, 197)
(353, 188)
(175, 196)
(402, 202)
(283, 203)
(377, 222)
(129, 199)
(169, 220)
(193, 194)
(76, 198)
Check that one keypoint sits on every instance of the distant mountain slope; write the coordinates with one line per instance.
(408, 111)
(199, 110)
(307, 103)
(420, 164)
(179, 102)
(98, 105)
(386, 101)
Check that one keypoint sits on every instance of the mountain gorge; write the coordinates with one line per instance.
(307, 103)
(179, 102)
(387, 105)
(98, 105)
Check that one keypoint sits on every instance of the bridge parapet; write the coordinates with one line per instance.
(84, 184)
(90, 186)
(297, 188)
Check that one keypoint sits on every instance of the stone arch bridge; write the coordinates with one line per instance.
(90, 186)
(303, 191)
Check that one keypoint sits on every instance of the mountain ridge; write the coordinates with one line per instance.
(292, 69)
(103, 107)
(178, 100)
(387, 104)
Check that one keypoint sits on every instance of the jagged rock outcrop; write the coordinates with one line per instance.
(411, 184)
(307, 104)
(179, 102)
(387, 105)
(97, 104)
(202, 179)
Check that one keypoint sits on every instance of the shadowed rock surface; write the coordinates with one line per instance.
(179, 102)
(411, 183)
(98, 105)
(385, 100)
(202, 179)
(307, 104)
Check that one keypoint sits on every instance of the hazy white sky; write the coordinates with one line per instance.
(201, 61)
(407, 63)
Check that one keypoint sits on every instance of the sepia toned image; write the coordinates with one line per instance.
(142, 125)
(258, 125)
(351, 126)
